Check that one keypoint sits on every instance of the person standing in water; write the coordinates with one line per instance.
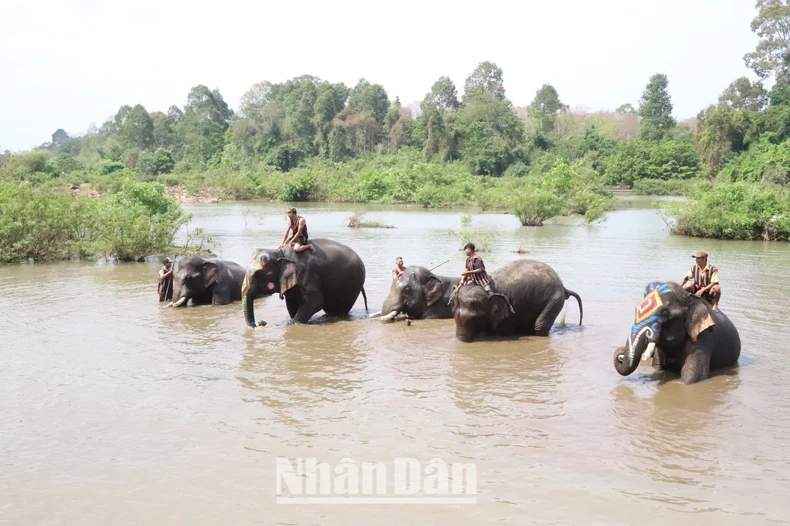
(703, 280)
(297, 226)
(165, 287)
(475, 270)
(399, 268)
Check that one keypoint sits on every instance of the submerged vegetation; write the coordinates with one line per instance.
(309, 139)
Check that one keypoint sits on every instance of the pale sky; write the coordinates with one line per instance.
(68, 63)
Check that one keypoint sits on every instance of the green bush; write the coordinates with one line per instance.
(671, 159)
(534, 206)
(762, 159)
(108, 167)
(157, 162)
(47, 224)
(734, 211)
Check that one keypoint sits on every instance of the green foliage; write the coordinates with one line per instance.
(743, 94)
(735, 211)
(138, 221)
(108, 167)
(764, 161)
(157, 162)
(650, 160)
(49, 224)
(492, 134)
(62, 164)
(655, 108)
(486, 79)
(546, 106)
(562, 190)
(770, 24)
(674, 187)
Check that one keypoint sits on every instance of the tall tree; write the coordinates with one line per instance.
(772, 25)
(134, 127)
(486, 78)
(443, 94)
(655, 108)
(492, 133)
(743, 94)
(546, 106)
(370, 99)
(206, 117)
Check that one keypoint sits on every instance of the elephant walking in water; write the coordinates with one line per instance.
(529, 296)
(329, 279)
(420, 294)
(206, 281)
(680, 332)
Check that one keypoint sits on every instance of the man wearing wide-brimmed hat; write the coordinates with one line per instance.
(703, 280)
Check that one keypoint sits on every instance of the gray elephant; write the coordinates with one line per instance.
(329, 279)
(680, 332)
(420, 294)
(529, 296)
(206, 281)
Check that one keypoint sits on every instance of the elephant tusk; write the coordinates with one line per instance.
(169, 304)
(390, 316)
(620, 357)
(180, 302)
(375, 315)
(651, 348)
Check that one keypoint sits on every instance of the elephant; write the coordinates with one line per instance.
(681, 332)
(419, 294)
(206, 281)
(527, 299)
(329, 279)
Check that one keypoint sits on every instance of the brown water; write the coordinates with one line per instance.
(117, 411)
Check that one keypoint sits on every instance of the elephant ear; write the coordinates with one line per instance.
(289, 275)
(210, 274)
(433, 290)
(698, 319)
(500, 308)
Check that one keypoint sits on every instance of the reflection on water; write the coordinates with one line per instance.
(177, 416)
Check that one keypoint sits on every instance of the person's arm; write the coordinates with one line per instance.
(477, 268)
(687, 277)
(395, 274)
(285, 236)
(163, 276)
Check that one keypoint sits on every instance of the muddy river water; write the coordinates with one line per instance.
(118, 411)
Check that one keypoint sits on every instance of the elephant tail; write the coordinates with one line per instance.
(365, 296)
(568, 294)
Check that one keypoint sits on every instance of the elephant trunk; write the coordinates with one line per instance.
(247, 307)
(627, 358)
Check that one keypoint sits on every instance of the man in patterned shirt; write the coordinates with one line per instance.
(703, 280)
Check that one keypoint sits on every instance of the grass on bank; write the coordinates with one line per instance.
(357, 220)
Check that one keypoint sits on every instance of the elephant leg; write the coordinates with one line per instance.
(546, 319)
(696, 367)
(658, 360)
(292, 304)
(220, 299)
(309, 305)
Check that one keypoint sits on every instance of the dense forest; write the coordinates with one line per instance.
(311, 139)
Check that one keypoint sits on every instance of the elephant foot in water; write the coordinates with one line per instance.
(261, 323)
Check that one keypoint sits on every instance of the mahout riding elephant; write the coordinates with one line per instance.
(420, 294)
(528, 297)
(681, 332)
(206, 281)
(329, 279)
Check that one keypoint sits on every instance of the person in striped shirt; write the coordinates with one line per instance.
(475, 270)
(703, 280)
